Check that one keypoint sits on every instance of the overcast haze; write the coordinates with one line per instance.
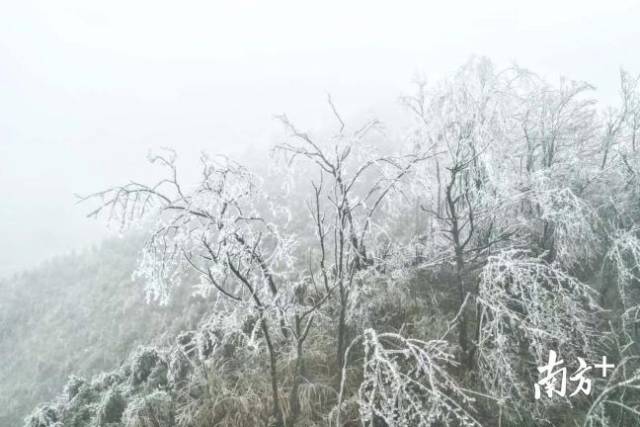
(89, 87)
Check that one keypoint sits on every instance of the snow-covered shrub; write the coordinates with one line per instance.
(44, 416)
(105, 380)
(406, 383)
(143, 363)
(111, 408)
(187, 344)
(73, 386)
(159, 376)
(153, 410)
(528, 307)
(80, 414)
(179, 367)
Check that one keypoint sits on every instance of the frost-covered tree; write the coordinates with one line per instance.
(351, 187)
(238, 240)
(465, 187)
(217, 230)
(452, 260)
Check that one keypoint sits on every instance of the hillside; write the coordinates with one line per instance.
(482, 269)
(80, 313)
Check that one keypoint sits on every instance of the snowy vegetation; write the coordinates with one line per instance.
(78, 314)
(406, 282)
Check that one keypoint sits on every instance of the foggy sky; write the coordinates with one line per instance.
(87, 87)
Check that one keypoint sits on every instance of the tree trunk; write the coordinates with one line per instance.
(277, 411)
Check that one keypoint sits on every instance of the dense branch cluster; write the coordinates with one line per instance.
(529, 308)
(406, 383)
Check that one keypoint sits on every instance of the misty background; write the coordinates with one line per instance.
(87, 88)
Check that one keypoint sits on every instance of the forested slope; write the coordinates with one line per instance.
(76, 314)
(366, 279)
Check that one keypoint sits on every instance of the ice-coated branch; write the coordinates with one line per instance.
(406, 383)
